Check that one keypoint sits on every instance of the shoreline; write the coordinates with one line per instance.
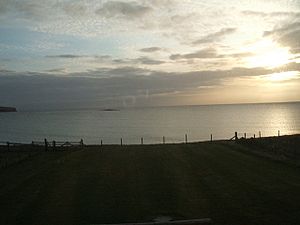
(77, 143)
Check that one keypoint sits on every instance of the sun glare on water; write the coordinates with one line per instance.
(268, 54)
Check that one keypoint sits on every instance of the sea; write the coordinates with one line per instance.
(152, 124)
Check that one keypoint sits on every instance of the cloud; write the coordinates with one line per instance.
(164, 3)
(209, 53)
(150, 49)
(271, 14)
(293, 66)
(292, 40)
(5, 72)
(66, 56)
(125, 71)
(102, 56)
(203, 53)
(283, 29)
(140, 60)
(56, 70)
(74, 56)
(3, 6)
(75, 9)
(42, 9)
(109, 86)
(287, 35)
(34, 10)
(128, 10)
(149, 61)
(237, 55)
(77, 18)
(215, 36)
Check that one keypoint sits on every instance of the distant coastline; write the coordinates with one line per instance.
(7, 109)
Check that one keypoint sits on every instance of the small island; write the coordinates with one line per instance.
(110, 110)
(8, 109)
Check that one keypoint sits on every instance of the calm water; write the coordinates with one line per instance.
(152, 123)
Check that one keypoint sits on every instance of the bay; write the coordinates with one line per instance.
(130, 124)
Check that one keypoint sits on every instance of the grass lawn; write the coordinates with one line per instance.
(225, 181)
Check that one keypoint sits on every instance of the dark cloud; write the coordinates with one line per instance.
(67, 56)
(237, 55)
(128, 10)
(149, 61)
(140, 60)
(215, 36)
(283, 29)
(73, 56)
(289, 67)
(203, 53)
(287, 35)
(102, 56)
(56, 70)
(6, 72)
(292, 40)
(125, 71)
(107, 86)
(210, 53)
(150, 49)
(119, 61)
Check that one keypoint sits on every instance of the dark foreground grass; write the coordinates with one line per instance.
(224, 181)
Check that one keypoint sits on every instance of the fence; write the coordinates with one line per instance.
(248, 135)
(62, 145)
(52, 145)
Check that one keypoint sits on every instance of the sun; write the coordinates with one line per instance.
(268, 54)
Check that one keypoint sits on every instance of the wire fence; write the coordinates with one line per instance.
(63, 145)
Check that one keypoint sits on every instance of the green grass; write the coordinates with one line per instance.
(225, 181)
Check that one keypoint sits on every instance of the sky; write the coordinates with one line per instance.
(58, 54)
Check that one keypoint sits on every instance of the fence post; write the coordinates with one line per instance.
(164, 140)
(46, 144)
(278, 133)
(101, 142)
(235, 136)
(54, 145)
(142, 141)
(254, 136)
(81, 143)
(245, 135)
(186, 139)
(259, 134)
(211, 137)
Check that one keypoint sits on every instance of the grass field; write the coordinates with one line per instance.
(246, 182)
